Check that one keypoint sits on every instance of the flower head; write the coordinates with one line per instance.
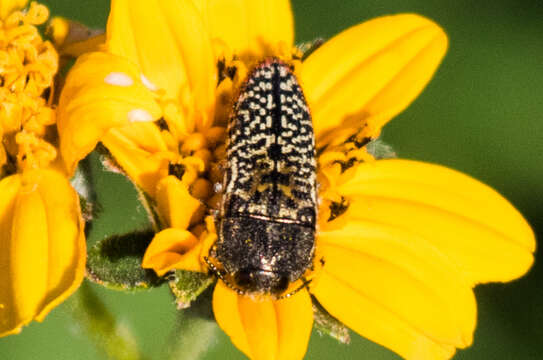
(42, 244)
(399, 244)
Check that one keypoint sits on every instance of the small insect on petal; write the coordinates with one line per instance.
(267, 220)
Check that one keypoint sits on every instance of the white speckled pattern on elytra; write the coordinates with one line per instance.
(271, 153)
(266, 227)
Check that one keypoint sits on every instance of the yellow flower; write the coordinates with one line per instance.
(42, 257)
(403, 242)
(7, 7)
(42, 243)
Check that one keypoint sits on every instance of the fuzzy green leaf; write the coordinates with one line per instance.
(115, 262)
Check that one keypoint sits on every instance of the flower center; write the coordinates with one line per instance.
(27, 69)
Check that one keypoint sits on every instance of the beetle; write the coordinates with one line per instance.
(266, 223)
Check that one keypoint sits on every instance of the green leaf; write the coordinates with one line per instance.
(329, 325)
(115, 262)
(188, 285)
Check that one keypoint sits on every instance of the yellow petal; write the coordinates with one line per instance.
(168, 41)
(172, 249)
(175, 203)
(250, 28)
(42, 245)
(263, 328)
(102, 91)
(467, 221)
(260, 326)
(294, 324)
(371, 72)
(9, 6)
(368, 318)
(408, 279)
(225, 308)
(67, 246)
(9, 320)
(141, 151)
(29, 262)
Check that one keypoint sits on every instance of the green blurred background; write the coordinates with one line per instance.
(482, 114)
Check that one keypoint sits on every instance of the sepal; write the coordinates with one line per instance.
(188, 285)
(115, 262)
(329, 325)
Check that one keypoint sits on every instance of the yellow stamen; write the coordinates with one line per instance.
(193, 143)
(34, 152)
(27, 69)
